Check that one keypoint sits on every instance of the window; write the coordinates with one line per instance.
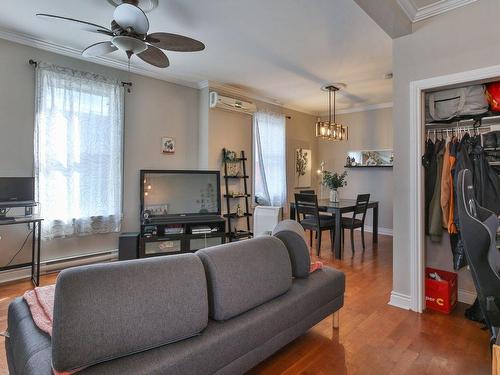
(269, 165)
(78, 152)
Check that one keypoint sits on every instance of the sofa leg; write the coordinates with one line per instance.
(336, 320)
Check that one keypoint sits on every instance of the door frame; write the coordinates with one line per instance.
(417, 108)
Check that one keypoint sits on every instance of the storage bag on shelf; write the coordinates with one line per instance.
(493, 95)
(446, 104)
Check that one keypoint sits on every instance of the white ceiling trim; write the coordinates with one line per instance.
(249, 95)
(75, 53)
(416, 14)
(371, 107)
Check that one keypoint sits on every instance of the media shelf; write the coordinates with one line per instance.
(167, 236)
(237, 196)
(240, 235)
(234, 234)
(235, 216)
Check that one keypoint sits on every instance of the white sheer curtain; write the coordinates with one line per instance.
(269, 159)
(78, 151)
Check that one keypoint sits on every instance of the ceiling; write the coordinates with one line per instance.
(281, 49)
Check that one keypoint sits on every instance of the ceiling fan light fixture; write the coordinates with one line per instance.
(145, 5)
(127, 43)
(128, 16)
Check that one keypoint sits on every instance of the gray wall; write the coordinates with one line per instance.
(457, 41)
(367, 130)
(154, 108)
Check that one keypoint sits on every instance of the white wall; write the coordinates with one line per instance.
(368, 130)
(233, 131)
(154, 108)
(457, 41)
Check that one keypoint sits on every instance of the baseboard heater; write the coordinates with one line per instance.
(66, 262)
(54, 265)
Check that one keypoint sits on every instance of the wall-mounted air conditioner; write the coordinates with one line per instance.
(231, 104)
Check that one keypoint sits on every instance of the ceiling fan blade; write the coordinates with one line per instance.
(145, 5)
(154, 56)
(174, 42)
(87, 26)
(130, 16)
(99, 49)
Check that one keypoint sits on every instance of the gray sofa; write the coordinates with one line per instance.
(221, 310)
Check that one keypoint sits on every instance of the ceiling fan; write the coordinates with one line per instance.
(129, 33)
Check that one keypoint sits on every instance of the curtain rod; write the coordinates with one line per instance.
(34, 63)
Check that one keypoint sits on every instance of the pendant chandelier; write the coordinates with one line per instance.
(330, 130)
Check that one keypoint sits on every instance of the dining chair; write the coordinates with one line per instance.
(307, 192)
(321, 210)
(309, 217)
(353, 222)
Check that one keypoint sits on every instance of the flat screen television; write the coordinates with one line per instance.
(179, 193)
(17, 191)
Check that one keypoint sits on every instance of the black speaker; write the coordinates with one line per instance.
(128, 246)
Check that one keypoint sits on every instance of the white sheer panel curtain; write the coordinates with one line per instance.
(78, 151)
(269, 145)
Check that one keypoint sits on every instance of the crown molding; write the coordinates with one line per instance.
(416, 14)
(371, 107)
(409, 8)
(250, 95)
(30, 41)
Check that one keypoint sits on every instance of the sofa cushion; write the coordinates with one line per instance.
(291, 233)
(28, 348)
(106, 311)
(243, 275)
(223, 343)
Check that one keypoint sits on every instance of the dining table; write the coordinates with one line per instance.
(343, 206)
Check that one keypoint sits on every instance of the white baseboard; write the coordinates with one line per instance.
(466, 296)
(400, 300)
(382, 231)
(58, 264)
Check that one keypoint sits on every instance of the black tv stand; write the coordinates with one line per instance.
(180, 234)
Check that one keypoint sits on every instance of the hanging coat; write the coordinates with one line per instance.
(445, 184)
(486, 181)
(429, 164)
(453, 159)
(435, 212)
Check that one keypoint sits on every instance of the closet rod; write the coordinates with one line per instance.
(455, 127)
(495, 119)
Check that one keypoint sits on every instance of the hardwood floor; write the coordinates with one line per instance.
(374, 338)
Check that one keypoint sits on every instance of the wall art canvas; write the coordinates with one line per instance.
(167, 145)
(371, 158)
(302, 168)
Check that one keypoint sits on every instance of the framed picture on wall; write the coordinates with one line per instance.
(302, 168)
(167, 145)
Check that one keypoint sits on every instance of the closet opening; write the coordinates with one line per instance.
(459, 211)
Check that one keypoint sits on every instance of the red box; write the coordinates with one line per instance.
(441, 295)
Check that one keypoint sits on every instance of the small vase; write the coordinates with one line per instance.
(334, 196)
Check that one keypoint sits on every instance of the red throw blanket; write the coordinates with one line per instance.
(315, 266)
(41, 303)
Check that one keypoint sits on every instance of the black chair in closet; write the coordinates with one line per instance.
(478, 227)
(353, 222)
(308, 215)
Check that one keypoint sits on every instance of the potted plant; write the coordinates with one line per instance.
(333, 181)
